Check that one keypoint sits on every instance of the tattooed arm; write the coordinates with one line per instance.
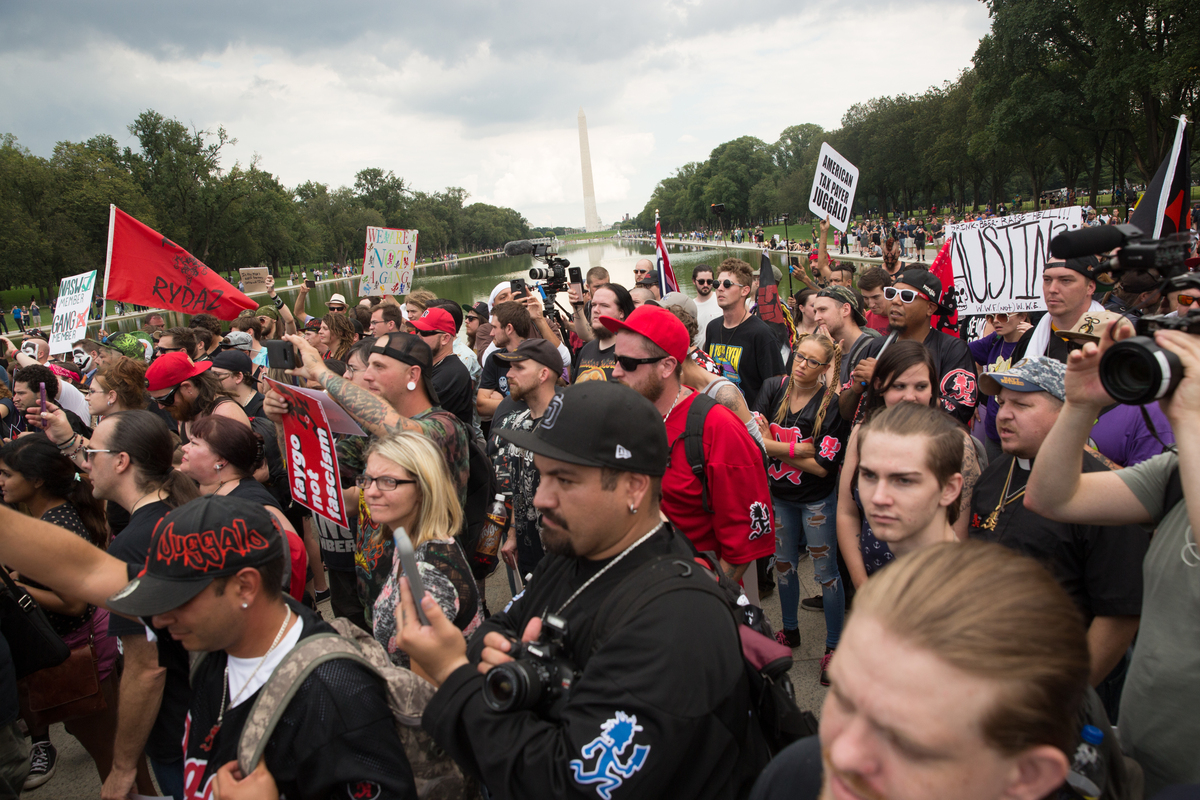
(970, 473)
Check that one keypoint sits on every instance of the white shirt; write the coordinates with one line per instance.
(706, 312)
(72, 399)
(242, 670)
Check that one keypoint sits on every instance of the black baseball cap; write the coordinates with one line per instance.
(649, 279)
(538, 350)
(409, 349)
(210, 537)
(480, 309)
(1087, 266)
(926, 283)
(233, 361)
(599, 424)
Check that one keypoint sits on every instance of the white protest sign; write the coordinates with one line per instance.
(254, 279)
(998, 262)
(71, 312)
(833, 188)
(388, 261)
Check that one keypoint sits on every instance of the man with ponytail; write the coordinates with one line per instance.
(729, 513)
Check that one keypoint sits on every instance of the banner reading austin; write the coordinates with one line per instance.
(388, 261)
(833, 188)
(998, 262)
(71, 311)
(311, 458)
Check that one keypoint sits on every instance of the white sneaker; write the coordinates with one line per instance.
(43, 760)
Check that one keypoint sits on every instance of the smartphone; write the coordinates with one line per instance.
(408, 560)
(310, 283)
(42, 393)
(280, 354)
(517, 286)
(576, 276)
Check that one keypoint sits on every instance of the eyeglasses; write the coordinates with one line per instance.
(704, 281)
(728, 284)
(630, 364)
(167, 399)
(1001, 318)
(89, 451)
(905, 295)
(812, 362)
(350, 371)
(384, 483)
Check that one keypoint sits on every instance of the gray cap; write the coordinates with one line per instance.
(1037, 374)
(679, 299)
(239, 339)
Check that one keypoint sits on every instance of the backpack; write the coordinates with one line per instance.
(693, 443)
(437, 776)
(766, 662)
(482, 487)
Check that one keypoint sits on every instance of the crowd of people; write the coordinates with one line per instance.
(1006, 557)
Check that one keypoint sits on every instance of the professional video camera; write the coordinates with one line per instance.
(538, 678)
(554, 275)
(1137, 371)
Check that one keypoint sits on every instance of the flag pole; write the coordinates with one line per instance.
(112, 219)
(1169, 180)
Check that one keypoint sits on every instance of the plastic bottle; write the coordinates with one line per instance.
(489, 537)
(1087, 769)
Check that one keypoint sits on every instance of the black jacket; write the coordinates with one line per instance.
(675, 674)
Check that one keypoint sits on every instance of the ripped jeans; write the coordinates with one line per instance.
(813, 525)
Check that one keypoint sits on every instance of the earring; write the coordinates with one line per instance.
(245, 605)
(412, 386)
(219, 467)
(632, 508)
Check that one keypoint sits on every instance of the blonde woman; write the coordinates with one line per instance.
(407, 486)
(805, 440)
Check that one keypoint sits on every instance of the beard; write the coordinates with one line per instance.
(602, 333)
(651, 388)
(518, 391)
(181, 410)
(704, 291)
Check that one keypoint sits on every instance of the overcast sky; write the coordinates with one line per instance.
(482, 95)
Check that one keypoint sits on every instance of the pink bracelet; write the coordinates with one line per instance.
(792, 449)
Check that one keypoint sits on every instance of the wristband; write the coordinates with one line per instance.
(792, 449)
(278, 302)
(67, 444)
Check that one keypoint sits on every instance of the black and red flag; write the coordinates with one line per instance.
(1165, 207)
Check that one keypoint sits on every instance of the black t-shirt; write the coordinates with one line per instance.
(336, 738)
(594, 363)
(116, 517)
(454, 387)
(132, 546)
(748, 354)
(65, 516)
(254, 407)
(9, 707)
(794, 774)
(956, 379)
(495, 375)
(788, 482)
(250, 489)
(1099, 566)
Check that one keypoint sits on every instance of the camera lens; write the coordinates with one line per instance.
(511, 687)
(539, 273)
(1137, 371)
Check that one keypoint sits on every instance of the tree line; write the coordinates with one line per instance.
(54, 212)
(1077, 94)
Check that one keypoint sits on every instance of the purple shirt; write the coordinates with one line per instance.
(1122, 435)
(987, 352)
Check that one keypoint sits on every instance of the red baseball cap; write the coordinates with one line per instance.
(436, 319)
(656, 324)
(172, 369)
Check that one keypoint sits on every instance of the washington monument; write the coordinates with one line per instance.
(591, 219)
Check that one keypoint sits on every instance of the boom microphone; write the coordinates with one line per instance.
(1092, 241)
(521, 247)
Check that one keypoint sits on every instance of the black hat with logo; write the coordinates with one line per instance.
(409, 349)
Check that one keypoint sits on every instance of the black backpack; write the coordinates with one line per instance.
(693, 443)
(482, 488)
(773, 699)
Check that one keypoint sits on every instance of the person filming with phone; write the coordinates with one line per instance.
(571, 692)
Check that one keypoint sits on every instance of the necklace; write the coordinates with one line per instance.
(208, 740)
(672, 408)
(733, 330)
(607, 567)
(990, 523)
(138, 503)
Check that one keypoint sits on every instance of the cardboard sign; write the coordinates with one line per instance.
(311, 458)
(254, 279)
(388, 261)
(998, 262)
(71, 312)
(833, 187)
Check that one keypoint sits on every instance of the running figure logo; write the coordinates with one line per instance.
(616, 735)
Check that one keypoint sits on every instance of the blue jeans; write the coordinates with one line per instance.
(813, 525)
(169, 777)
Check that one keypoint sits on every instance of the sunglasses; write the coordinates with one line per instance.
(728, 284)
(1001, 318)
(704, 281)
(384, 483)
(429, 333)
(905, 295)
(168, 399)
(630, 364)
(168, 350)
(1186, 300)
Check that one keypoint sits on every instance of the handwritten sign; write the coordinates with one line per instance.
(311, 458)
(71, 313)
(254, 279)
(388, 261)
(833, 187)
(998, 262)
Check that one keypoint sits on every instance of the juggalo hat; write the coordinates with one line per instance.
(208, 538)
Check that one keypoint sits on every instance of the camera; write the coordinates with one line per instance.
(718, 208)
(539, 678)
(553, 275)
(1137, 371)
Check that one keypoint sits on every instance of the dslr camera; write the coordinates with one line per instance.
(540, 676)
(1137, 371)
(554, 275)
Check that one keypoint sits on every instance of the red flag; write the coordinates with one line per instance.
(666, 275)
(148, 269)
(942, 269)
(1165, 207)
